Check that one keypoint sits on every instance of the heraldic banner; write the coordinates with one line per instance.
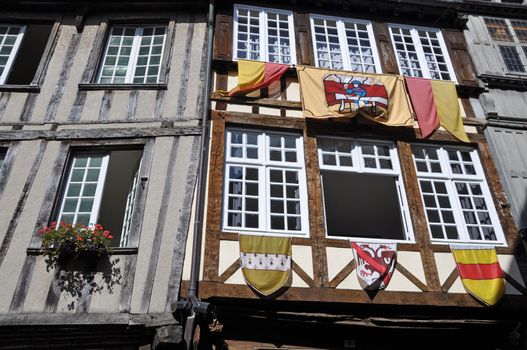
(265, 262)
(375, 264)
(480, 272)
(336, 93)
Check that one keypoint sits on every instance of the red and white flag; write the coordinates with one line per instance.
(375, 264)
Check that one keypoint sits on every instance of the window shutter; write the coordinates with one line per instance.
(304, 44)
(223, 37)
(385, 48)
(457, 49)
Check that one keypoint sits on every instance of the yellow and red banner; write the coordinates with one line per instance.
(480, 272)
(336, 93)
(254, 75)
(435, 103)
(265, 262)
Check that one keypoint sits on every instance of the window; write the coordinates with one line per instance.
(264, 35)
(265, 185)
(101, 188)
(510, 38)
(133, 54)
(421, 52)
(344, 44)
(362, 190)
(21, 48)
(455, 195)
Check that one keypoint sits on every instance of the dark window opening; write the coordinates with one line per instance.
(362, 205)
(29, 54)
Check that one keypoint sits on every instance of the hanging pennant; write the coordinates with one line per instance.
(375, 264)
(435, 103)
(254, 75)
(480, 272)
(265, 262)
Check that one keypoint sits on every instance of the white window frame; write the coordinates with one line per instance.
(343, 40)
(360, 168)
(98, 192)
(264, 55)
(14, 51)
(134, 55)
(264, 165)
(449, 178)
(419, 49)
(515, 43)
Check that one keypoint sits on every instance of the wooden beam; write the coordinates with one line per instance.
(209, 289)
(345, 272)
(411, 277)
(445, 287)
(99, 133)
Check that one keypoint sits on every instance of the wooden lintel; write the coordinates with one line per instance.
(209, 289)
(99, 133)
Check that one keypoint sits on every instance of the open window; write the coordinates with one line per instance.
(21, 49)
(362, 190)
(133, 55)
(100, 188)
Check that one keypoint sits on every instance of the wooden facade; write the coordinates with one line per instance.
(503, 103)
(122, 300)
(323, 306)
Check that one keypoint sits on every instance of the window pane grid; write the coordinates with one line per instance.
(118, 53)
(456, 209)
(406, 52)
(376, 156)
(327, 44)
(77, 205)
(10, 37)
(511, 58)
(434, 57)
(475, 213)
(284, 200)
(438, 209)
(263, 35)
(520, 29)
(150, 54)
(336, 153)
(133, 55)
(360, 49)
(278, 43)
(426, 160)
(248, 34)
(498, 29)
(264, 177)
(242, 198)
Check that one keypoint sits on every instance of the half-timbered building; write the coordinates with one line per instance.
(273, 172)
(100, 108)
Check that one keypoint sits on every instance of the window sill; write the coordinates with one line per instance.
(95, 86)
(115, 251)
(20, 88)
